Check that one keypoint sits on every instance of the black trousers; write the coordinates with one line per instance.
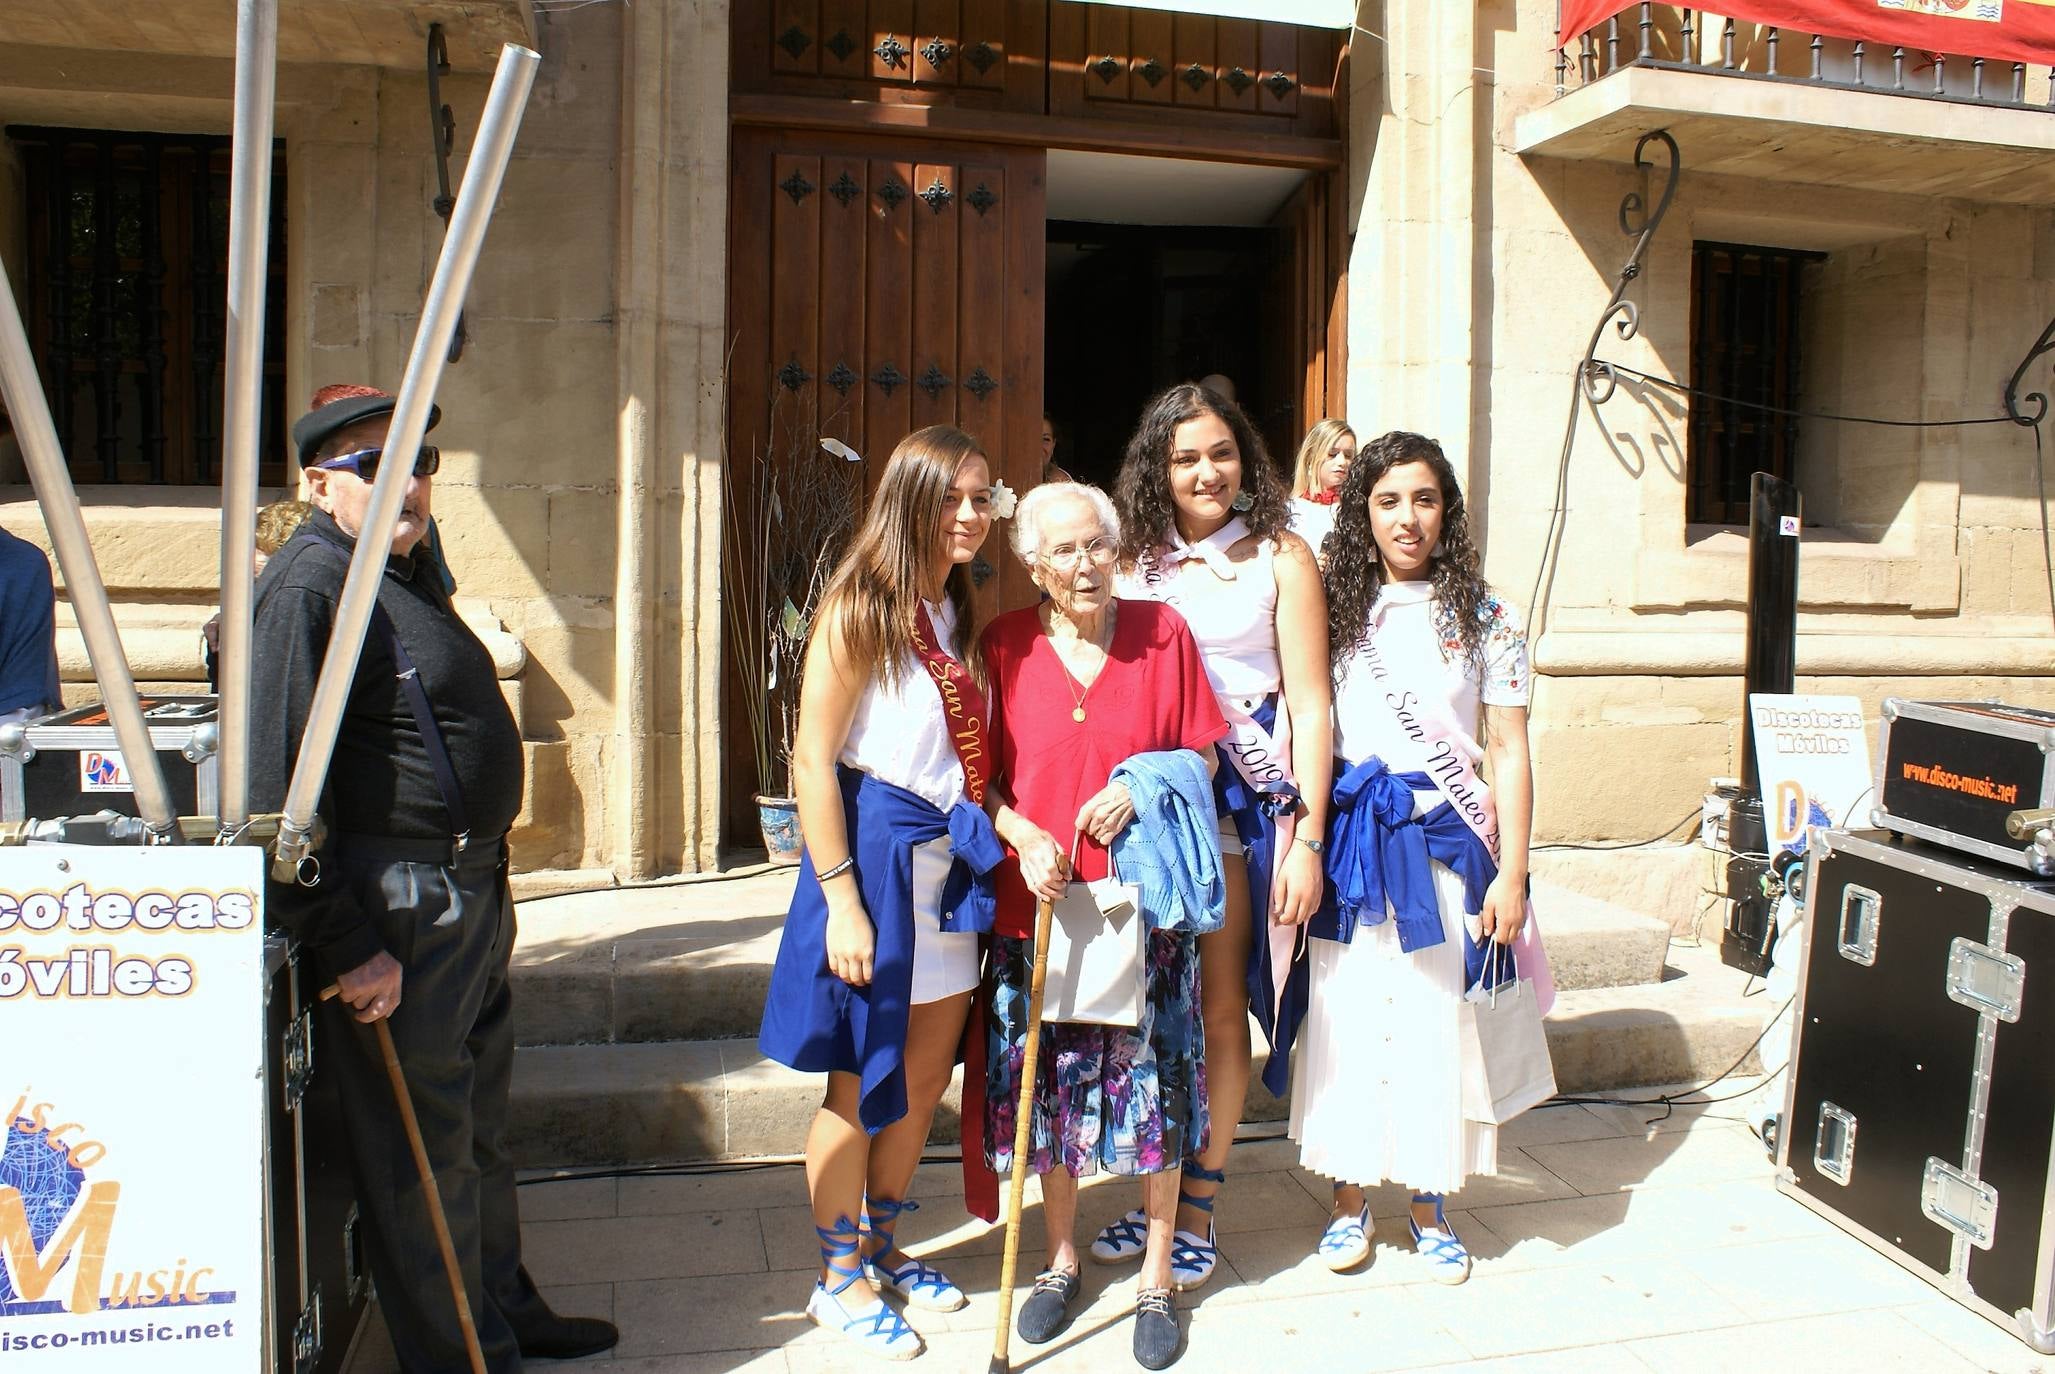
(452, 931)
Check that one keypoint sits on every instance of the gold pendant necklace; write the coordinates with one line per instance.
(1077, 710)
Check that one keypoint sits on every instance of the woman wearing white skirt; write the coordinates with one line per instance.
(1425, 864)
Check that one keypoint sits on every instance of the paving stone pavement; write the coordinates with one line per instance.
(1607, 1244)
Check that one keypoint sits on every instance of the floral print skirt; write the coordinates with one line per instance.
(1128, 1100)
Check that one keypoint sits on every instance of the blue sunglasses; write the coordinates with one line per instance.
(364, 462)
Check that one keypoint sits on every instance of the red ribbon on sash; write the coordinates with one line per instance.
(964, 705)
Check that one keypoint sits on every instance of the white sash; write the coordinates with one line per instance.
(1262, 757)
(1420, 706)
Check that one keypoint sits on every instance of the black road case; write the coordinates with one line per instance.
(1953, 771)
(1919, 1115)
(319, 1288)
(69, 764)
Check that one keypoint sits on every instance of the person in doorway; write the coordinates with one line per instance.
(1083, 684)
(1052, 471)
(28, 632)
(410, 914)
(1221, 385)
(1324, 458)
(880, 952)
(1378, 1093)
(1203, 527)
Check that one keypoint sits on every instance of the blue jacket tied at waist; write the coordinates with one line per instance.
(1380, 859)
(1171, 850)
(815, 1022)
(1255, 816)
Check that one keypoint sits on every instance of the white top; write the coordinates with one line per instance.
(901, 735)
(1235, 623)
(1411, 634)
(1312, 521)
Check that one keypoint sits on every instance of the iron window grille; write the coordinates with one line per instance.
(1747, 306)
(126, 287)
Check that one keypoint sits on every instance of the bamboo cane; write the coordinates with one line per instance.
(1023, 1132)
(429, 1190)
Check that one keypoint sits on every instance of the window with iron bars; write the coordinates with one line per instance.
(125, 290)
(1747, 307)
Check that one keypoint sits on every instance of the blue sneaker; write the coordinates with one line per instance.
(918, 1284)
(1448, 1260)
(876, 1330)
(1346, 1242)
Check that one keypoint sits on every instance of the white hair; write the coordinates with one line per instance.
(1026, 533)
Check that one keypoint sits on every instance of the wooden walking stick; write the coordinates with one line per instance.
(1023, 1133)
(441, 1222)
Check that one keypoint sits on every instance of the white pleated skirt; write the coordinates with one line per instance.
(1377, 1082)
(945, 963)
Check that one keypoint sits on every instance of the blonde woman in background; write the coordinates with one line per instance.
(1323, 463)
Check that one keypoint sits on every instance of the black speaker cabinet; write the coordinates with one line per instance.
(1919, 1115)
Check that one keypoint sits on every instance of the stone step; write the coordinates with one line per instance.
(693, 961)
(674, 1101)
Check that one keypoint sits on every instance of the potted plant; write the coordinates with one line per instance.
(788, 510)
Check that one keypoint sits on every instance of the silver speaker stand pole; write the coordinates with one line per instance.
(439, 314)
(249, 238)
(37, 434)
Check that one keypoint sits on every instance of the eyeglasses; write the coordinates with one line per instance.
(364, 462)
(1065, 557)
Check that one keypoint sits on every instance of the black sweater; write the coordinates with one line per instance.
(380, 782)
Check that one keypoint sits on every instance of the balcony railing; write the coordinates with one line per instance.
(1681, 38)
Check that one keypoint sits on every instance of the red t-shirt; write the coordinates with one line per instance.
(1152, 694)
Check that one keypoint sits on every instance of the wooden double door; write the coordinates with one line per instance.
(880, 283)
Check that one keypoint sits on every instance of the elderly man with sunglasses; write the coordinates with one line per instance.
(409, 912)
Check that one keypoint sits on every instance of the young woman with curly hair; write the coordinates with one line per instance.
(1204, 526)
(1428, 864)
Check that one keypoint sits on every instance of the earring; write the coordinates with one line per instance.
(1373, 550)
(1242, 501)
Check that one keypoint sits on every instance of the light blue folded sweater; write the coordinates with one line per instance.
(1171, 850)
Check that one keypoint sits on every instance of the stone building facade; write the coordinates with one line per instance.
(1479, 221)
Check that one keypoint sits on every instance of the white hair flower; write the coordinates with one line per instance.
(1003, 500)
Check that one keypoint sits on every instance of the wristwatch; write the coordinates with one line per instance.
(1317, 846)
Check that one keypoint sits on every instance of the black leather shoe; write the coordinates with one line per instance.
(570, 1338)
(1047, 1310)
(1157, 1338)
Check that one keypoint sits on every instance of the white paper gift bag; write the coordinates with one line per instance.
(1097, 939)
(1506, 1068)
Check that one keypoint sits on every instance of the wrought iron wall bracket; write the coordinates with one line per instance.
(1598, 379)
(442, 137)
(2038, 399)
(1595, 381)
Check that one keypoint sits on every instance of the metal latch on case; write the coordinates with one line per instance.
(1958, 1203)
(1985, 979)
(1833, 1147)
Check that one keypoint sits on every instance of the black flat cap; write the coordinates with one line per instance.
(313, 429)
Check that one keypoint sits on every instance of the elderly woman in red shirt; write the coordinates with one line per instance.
(1082, 684)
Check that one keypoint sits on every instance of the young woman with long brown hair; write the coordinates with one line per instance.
(880, 951)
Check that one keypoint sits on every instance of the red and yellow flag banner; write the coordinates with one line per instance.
(2006, 30)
